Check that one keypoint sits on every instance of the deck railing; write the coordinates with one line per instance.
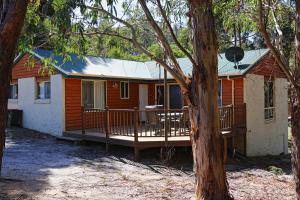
(152, 123)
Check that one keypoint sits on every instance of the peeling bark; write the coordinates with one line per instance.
(12, 14)
(206, 139)
(296, 108)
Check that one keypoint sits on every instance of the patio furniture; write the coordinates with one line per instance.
(153, 113)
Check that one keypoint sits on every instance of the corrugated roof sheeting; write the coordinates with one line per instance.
(108, 67)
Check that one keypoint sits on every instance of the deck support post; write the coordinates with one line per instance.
(225, 150)
(136, 153)
(82, 120)
(107, 128)
(107, 147)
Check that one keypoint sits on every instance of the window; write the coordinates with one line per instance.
(175, 100)
(124, 90)
(269, 100)
(13, 94)
(93, 94)
(160, 92)
(43, 90)
(219, 92)
(88, 94)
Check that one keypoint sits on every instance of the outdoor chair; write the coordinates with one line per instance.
(153, 117)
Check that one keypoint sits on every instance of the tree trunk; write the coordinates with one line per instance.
(12, 14)
(211, 183)
(296, 108)
(296, 143)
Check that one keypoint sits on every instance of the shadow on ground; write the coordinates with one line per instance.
(32, 158)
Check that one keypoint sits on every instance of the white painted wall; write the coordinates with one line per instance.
(46, 116)
(266, 137)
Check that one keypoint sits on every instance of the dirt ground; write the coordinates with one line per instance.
(37, 166)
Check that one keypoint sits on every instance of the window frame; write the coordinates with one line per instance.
(38, 90)
(168, 97)
(273, 107)
(126, 96)
(17, 91)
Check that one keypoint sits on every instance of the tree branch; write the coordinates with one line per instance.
(273, 49)
(179, 77)
(163, 13)
(161, 37)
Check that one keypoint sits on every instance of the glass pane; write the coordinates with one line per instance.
(13, 94)
(40, 90)
(126, 90)
(219, 93)
(47, 90)
(88, 94)
(269, 96)
(175, 97)
(160, 95)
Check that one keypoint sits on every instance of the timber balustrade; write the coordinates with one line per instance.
(153, 122)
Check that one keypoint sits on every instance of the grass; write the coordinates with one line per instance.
(275, 170)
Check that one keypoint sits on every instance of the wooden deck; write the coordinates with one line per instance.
(157, 129)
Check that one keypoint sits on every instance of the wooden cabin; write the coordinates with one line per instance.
(104, 99)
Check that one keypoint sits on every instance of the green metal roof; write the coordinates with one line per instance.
(116, 68)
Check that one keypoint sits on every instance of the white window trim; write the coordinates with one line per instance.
(42, 101)
(128, 96)
(13, 101)
(105, 81)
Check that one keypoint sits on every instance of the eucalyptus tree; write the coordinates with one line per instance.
(281, 48)
(12, 14)
(155, 18)
(199, 90)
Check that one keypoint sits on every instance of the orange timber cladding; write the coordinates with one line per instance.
(73, 98)
(73, 88)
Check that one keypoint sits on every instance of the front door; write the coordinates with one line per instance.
(143, 99)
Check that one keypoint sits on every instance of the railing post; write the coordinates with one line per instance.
(136, 124)
(136, 133)
(232, 116)
(107, 122)
(166, 125)
(82, 120)
(107, 126)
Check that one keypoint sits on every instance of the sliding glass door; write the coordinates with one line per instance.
(175, 100)
(93, 94)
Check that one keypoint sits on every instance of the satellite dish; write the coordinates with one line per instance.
(234, 54)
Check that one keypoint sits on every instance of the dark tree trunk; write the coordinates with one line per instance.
(211, 183)
(12, 14)
(296, 108)
(296, 143)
